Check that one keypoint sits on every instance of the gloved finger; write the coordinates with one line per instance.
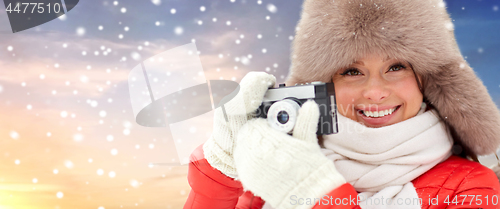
(307, 122)
(251, 92)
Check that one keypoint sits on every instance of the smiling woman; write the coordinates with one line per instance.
(413, 117)
(378, 92)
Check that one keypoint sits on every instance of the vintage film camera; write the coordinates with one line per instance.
(280, 106)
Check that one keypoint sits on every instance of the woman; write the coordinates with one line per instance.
(412, 114)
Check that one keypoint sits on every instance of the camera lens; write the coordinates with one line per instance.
(283, 114)
(283, 117)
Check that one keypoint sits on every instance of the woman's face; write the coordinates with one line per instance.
(377, 92)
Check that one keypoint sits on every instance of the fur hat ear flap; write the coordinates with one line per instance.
(464, 104)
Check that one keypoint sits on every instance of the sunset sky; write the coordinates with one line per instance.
(68, 136)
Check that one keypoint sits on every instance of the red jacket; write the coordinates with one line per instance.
(454, 183)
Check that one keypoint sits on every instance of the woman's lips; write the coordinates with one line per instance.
(377, 121)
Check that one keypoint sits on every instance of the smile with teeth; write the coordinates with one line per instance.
(378, 114)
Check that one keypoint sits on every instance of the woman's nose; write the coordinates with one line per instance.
(376, 90)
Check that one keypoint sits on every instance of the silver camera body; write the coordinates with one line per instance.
(281, 106)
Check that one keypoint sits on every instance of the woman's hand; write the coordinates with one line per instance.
(229, 118)
(281, 168)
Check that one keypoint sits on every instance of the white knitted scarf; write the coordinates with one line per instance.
(381, 162)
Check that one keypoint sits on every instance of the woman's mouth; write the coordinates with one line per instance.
(377, 118)
(378, 114)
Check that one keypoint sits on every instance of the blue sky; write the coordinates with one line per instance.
(477, 29)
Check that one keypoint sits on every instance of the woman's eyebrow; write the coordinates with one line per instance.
(359, 63)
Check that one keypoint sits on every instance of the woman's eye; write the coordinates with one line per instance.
(396, 67)
(351, 72)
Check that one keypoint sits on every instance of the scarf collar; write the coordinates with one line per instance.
(374, 158)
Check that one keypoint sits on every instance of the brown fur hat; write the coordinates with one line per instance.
(332, 34)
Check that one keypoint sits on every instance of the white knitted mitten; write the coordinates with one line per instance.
(218, 150)
(280, 168)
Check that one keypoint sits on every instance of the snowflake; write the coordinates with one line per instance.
(271, 8)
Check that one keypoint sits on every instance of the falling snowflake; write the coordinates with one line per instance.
(134, 183)
(78, 137)
(111, 174)
(84, 79)
(14, 135)
(93, 103)
(135, 56)
(245, 60)
(68, 164)
(271, 8)
(178, 30)
(449, 26)
(80, 31)
(59, 195)
(156, 2)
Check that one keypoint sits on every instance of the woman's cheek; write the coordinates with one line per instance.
(407, 90)
(345, 102)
